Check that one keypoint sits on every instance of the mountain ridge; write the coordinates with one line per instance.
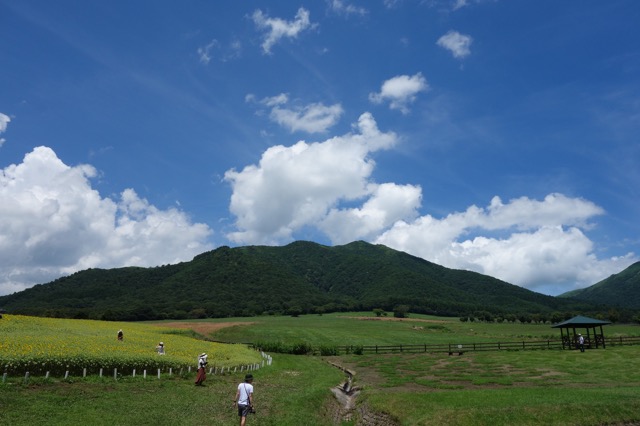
(300, 277)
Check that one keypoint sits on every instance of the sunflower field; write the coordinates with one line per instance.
(39, 345)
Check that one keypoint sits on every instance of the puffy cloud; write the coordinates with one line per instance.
(276, 28)
(4, 123)
(312, 118)
(458, 44)
(326, 186)
(541, 244)
(55, 224)
(387, 203)
(293, 187)
(400, 91)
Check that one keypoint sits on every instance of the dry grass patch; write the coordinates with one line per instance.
(202, 328)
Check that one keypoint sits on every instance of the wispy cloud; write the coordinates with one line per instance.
(344, 8)
(204, 52)
(225, 52)
(276, 29)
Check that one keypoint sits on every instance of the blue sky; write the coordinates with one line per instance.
(496, 136)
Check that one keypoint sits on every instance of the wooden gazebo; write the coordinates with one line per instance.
(591, 339)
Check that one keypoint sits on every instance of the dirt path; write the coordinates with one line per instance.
(346, 395)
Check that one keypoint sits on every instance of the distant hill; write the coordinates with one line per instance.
(301, 277)
(622, 290)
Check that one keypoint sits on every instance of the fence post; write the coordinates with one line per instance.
(26, 377)
(100, 371)
(144, 374)
(4, 377)
(158, 374)
(46, 376)
(134, 373)
(84, 372)
(115, 374)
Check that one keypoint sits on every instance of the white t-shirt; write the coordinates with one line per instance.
(244, 389)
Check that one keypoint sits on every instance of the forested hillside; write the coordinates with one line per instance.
(621, 290)
(302, 277)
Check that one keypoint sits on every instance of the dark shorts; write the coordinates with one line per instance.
(243, 410)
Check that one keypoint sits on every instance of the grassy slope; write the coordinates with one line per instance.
(293, 391)
(363, 328)
(514, 387)
(493, 388)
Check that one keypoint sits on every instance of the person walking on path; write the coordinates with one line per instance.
(202, 364)
(581, 342)
(244, 399)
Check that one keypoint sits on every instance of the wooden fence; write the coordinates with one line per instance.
(460, 348)
(101, 372)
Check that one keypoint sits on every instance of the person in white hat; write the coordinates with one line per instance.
(202, 364)
(160, 348)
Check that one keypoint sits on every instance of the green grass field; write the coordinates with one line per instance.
(534, 387)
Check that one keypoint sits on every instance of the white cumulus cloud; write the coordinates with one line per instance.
(296, 186)
(541, 245)
(4, 123)
(400, 91)
(54, 223)
(458, 44)
(386, 204)
(276, 29)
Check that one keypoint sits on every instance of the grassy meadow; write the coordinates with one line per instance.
(533, 387)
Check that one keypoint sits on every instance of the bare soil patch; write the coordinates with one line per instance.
(203, 328)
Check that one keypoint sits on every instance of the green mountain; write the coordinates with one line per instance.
(301, 277)
(621, 290)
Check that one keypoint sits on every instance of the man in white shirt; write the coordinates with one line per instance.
(244, 399)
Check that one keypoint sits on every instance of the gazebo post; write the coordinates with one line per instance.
(604, 345)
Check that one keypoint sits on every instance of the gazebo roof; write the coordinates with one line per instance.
(580, 321)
